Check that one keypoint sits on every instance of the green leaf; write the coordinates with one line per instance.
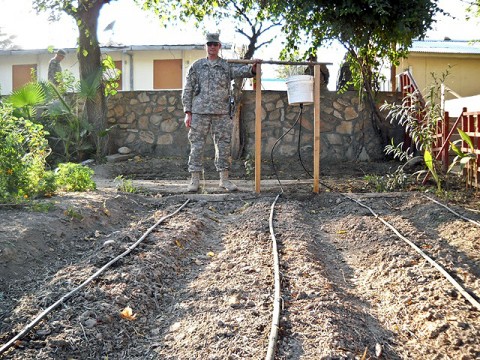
(456, 150)
(427, 157)
(466, 138)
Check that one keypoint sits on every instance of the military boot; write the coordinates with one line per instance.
(225, 183)
(194, 182)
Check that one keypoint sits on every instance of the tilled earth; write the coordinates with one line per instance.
(200, 284)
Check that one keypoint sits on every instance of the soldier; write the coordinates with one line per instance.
(54, 66)
(206, 102)
(324, 73)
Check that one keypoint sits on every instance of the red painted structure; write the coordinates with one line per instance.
(469, 122)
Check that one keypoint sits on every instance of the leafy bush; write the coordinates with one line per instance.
(74, 177)
(420, 118)
(23, 152)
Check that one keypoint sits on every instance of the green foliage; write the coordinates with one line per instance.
(250, 19)
(25, 100)
(473, 9)
(23, 153)
(125, 185)
(43, 207)
(373, 32)
(249, 164)
(388, 182)
(285, 71)
(75, 177)
(431, 165)
(467, 160)
(366, 28)
(420, 117)
(111, 75)
(61, 116)
(73, 214)
(85, 14)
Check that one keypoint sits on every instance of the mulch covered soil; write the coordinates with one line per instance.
(201, 283)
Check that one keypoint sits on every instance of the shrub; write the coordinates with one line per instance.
(74, 177)
(23, 152)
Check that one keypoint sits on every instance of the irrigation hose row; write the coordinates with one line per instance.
(275, 324)
(277, 299)
(459, 287)
(452, 211)
(272, 343)
(65, 297)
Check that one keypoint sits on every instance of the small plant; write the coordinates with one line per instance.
(125, 185)
(73, 214)
(42, 207)
(389, 182)
(75, 177)
(467, 160)
(376, 181)
(420, 118)
(249, 165)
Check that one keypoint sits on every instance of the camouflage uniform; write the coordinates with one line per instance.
(53, 67)
(206, 96)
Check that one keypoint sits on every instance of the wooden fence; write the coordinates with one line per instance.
(468, 122)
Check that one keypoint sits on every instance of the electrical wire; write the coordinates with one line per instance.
(299, 149)
(278, 140)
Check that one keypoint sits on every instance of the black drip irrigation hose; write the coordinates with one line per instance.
(278, 140)
(277, 301)
(65, 297)
(299, 151)
(437, 266)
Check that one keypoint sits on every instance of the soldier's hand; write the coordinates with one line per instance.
(254, 65)
(188, 119)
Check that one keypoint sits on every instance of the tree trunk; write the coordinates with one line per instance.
(377, 118)
(89, 58)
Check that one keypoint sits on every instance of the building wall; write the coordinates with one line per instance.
(151, 124)
(6, 62)
(464, 76)
(138, 62)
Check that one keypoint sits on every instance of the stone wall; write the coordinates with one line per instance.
(151, 123)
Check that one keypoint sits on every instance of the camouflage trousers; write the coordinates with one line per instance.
(220, 127)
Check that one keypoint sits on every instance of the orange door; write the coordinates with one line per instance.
(22, 74)
(167, 74)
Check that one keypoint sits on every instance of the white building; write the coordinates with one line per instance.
(143, 67)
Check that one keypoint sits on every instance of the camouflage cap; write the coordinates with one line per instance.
(61, 52)
(213, 37)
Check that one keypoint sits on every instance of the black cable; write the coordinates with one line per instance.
(300, 155)
(298, 148)
(278, 140)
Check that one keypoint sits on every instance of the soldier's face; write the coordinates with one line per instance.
(213, 48)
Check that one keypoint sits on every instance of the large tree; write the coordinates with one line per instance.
(374, 32)
(86, 13)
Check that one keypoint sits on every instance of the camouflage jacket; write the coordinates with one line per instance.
(207, 87)
(53, 67)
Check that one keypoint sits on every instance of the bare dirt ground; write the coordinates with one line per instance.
(201, 284)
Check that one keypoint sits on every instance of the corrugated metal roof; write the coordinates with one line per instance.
(445, 47)
(106, 49)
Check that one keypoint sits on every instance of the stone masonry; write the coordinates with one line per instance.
(150, 123)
